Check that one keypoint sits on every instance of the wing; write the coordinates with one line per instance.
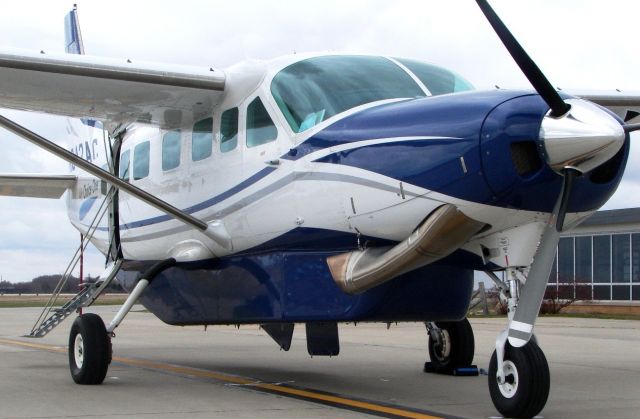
(625, 104)
(35, 186)
(116, 92)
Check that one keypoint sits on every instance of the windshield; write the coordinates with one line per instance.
(310, 91)
(438, 80)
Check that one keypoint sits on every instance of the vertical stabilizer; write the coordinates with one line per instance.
(72, 35)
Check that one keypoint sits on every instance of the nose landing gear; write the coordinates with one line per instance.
(519, 379)
(524, 390)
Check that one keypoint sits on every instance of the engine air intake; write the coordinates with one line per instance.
(525, 158)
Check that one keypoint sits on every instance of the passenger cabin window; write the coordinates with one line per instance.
(229, 130)
(312, 90)
(202, 139)
(124, 165)
(141, 161)
(171, 150)
(260, 127)
(438, 80)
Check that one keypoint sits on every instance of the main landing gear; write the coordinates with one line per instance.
(89, 349)
(90, 340)
(451, 346)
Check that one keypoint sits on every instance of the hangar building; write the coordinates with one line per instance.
(600, 259)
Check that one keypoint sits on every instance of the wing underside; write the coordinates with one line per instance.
(116, 92)
(624, 104)
(35, 185)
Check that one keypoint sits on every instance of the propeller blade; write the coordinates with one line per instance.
(532, 293)
(565, 194)
(526, 64)
(631, 127)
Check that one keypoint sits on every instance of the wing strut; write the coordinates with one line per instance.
(214, 230)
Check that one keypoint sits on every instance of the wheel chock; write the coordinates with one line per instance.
(470, 371)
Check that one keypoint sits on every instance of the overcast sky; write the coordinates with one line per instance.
(578, 44)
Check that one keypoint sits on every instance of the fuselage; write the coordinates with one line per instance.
(334, 152)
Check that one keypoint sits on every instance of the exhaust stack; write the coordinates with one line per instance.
(443, 232)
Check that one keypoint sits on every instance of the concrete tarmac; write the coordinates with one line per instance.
(167, 371)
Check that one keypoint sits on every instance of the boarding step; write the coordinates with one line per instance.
(86, 297)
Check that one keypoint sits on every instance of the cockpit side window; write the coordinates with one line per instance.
(310, 91)
(229, 130)
(438, 80)
(260, 126)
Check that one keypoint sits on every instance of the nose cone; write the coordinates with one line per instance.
(583, 139)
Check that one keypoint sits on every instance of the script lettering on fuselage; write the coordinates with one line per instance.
(88, 189)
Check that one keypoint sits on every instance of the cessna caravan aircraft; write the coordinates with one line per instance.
(320, 189)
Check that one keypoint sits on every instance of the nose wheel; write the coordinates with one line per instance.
(89, 350)
(524, 390)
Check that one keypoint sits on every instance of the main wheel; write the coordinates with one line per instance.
(455, 349)
(526, 386)
(89, 349)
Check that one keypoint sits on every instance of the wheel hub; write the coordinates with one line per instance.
(443, 350)
(78, 350)
(509, 386)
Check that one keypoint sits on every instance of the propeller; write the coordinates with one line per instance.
(526, 64)
(530, 69)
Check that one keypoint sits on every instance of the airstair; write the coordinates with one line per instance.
(51, 315)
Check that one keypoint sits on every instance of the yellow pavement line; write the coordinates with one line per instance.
(346, 402)
(272, 387)
(50, 348)
(183, 370)
(277, 388)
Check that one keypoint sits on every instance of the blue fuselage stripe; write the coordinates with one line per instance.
(203, 205)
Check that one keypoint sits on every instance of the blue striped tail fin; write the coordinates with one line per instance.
(73, 45)
(72, 35)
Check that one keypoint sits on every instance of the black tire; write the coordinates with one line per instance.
(89, 350)
(458, 348)
(526, 392)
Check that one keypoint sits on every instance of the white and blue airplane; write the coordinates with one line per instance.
(320, 189)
